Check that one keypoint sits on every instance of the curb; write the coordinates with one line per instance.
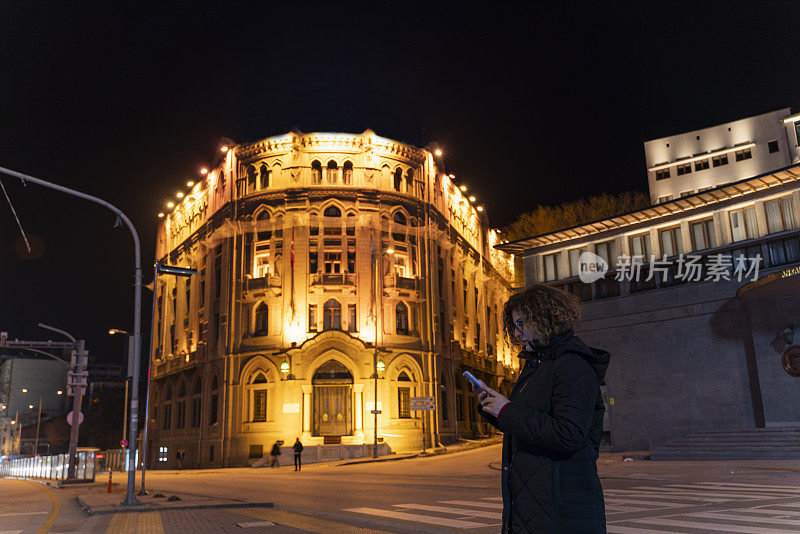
(375, 460)
(42, 481)
(106, 509)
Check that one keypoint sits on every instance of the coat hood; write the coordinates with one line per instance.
(569, 343)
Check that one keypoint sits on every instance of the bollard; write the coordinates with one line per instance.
(109, 480)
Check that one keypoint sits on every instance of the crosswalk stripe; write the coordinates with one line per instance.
(10, 531)
(619, 529)
(724, 527)
(494, 506)
(449, 510)
(492, 498)
(23, 513)
(744, 485)
(418, 518)
(635, 501)
(774, 520)
(647, 494)
(699, 493)
(760, 510)
(782, 505)
(779, 493)
(622, 509)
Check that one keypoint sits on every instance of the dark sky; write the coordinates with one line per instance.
(536, 103)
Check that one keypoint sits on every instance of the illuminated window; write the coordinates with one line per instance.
(332, 315)
(316, 172)
(162, 454)
(640, 246)
(780, 214)
(608, 251)
(718, 161)
(331, 172)
(262, 314)
(703, 235)
(312, 317)
(665, 198)
(742, 155)
(401, 319)
(671, 241)
(551, 266)
(347, 173)
(574, 257)
(743, 223)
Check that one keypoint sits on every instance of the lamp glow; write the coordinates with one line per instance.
(14, 422)
(161, 215)
(189, 183)
(24, 390)
(480, 208)
(438, 152)
(381, 366)
(180, 194)
(170, 204)
(30, 406)
(223, 148)
(285, 367)
(472, 199)
(59, 392)
(390, 251)
(203, 171)
(463, 187)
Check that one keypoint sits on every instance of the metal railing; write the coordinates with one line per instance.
(50, 467)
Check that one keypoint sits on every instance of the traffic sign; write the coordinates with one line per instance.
(71, 390)
(123, 443)
(422, 403)
(80, 418)
(375, 412)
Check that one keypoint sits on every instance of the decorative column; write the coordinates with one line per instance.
(307, 411)
(358, 389)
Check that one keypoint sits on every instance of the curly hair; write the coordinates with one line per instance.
(552, 310)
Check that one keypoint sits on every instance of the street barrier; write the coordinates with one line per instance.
(53, 468)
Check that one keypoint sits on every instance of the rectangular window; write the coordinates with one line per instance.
(443, 403)
(640, 246)
(218, 273)
(743, 223)
(663, 199)
(167, 423)
(464, 287)
(404, 402)
(701, 165)
(211, 454)
(313, 259)
(608, 251)
(259, 405)
(780, 214)
(686, 168)
(742, 155)
(662, 174)
(686, 193)
(256, 451)
(718, 161)
(352, 325)
(773, 146)
(784, 251)
(312, 317)
(671, 241)
(351, 261)
(797, 132)
(196, 412)
(163, 453)
(459, 407)
(551, 264)
(333, 262)
(212, 418)
(188, 294)
(202, 286)
(574, 257)
(181, 414)
(703, 235)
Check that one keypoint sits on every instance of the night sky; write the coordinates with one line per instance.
(531, 104)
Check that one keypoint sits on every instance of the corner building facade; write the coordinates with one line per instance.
(314, 253)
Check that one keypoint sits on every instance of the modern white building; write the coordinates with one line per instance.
(692, 162)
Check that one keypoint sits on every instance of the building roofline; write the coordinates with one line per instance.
(688, 203)
(718, 124)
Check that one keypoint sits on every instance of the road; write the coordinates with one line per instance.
(449, 493)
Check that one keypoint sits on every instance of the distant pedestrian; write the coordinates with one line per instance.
(274, 453)
(179, 457)
(298, 450)
(553, 422)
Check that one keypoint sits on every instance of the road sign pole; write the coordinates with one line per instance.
(77, 397)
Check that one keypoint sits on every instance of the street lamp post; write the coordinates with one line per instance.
(130, 497)
(38, 422)
(127, 381)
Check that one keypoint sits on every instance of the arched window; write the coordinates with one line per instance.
(332, 211)
(347, 174)
(278, 226)
(180, 415)
(404, 396)
(399, 234)
(350, 224)
(262, 314)
(398, 179)
(316, 172)
(332, 315)
(212, 416)
(167, 424)
(259, 398)
(263, 234)
(399, 218)
(401, 319)
(264, 177)
(197, 396)
(251, 178)
(409, 181)
(331, 173)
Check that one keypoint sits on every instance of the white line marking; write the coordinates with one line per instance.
(418, 518)
(756, 491)
(753, 486)
(699, 525)
(618, 529)
(719, 494)
(454, 511)
(646, 504)
(22, 513)
(10, 531)
(621, 509)
(774, 520)
(493, 499)
(758, 510)
(494, 506)
(783, 504)
(664, 495)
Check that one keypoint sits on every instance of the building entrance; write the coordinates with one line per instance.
(333, 406)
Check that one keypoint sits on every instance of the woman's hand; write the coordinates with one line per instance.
(492, 402)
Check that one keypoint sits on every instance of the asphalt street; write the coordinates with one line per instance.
(450, 493)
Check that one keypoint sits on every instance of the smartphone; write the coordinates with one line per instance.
(478, 384)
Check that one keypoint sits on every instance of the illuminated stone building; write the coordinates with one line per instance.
(311, 249)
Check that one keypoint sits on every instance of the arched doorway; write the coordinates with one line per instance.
(333, 410)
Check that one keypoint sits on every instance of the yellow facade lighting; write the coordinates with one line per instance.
(30, 406)
(452, 176)
(390, 251)
(380, 365)
(161, 215)
(472, 199)
(223, 148)
(24, 390)
(285, 367)
(189, 183)
(203, 171)
(463, 187)
(59, 392)
(14, 422)
(438, 152)
(170, 204)
(180, 194)
(480, 208)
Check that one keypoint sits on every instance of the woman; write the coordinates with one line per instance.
(552, 422)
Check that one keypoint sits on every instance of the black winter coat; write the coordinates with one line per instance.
(552, 428)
